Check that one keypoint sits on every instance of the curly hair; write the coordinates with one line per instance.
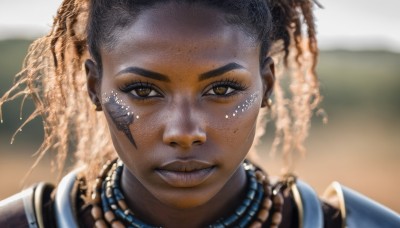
(54, 77)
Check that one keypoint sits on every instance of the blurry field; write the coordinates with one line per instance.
(359, 147)
(359, 151)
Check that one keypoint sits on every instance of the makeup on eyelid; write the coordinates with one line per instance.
(120, 113)
(246, 105)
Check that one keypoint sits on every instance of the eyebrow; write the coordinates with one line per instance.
(161, 77)
(144, 73)
(220, 71)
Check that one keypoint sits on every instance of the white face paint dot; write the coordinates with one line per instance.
(137, 117)
(246, 105)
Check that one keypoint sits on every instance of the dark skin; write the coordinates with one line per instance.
(183, 69)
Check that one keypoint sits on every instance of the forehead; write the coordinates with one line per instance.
(170, 30)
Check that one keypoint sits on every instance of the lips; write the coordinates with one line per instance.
(185, 174)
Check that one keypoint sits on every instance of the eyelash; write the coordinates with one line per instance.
(230, 83)
(135, 85)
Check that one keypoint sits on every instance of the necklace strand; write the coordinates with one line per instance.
(110, 209)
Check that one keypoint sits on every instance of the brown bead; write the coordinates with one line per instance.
(278, 199)
(109, 216)
(256, 224)
(109, 192)
(276, 218)
(267, 203)
(96, 212)
(263, 215)
(267, 190)
(100, 224)
(122, 205)
(99, 182)
(260, 176)
(117, 224)
(96, 198)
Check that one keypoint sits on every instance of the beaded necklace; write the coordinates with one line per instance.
(110, 209)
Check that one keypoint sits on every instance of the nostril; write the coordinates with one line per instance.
(197, 142)
(175, 144)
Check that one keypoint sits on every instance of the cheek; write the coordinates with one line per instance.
(243, 108)
(236, 124)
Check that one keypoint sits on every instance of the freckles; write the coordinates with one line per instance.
(120, 113)
(244, 107)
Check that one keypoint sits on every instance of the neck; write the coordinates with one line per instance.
(149, 209)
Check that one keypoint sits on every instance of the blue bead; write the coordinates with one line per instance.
(119, 213)
(104, 203)
(217, 225)
(230, 220)
(241, 210)
(111, 201)
(253, 184)
(118, 194)
(247, 202)
(244, 222)
(251, 194)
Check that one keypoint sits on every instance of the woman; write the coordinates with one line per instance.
(179, 87)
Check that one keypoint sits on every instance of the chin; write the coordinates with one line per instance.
(187, 198)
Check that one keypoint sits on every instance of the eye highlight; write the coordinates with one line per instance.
(141, 90)
(225, 88)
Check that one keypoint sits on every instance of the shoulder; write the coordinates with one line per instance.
(358, 210)
(340, 207)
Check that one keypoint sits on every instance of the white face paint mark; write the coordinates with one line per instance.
(113, 96)
(246, 105)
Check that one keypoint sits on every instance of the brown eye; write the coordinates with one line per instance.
(224, 89)
(143, 92)
(220, 90)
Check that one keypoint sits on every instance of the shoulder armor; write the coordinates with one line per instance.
(65, 201)
(359, 211)
(27, 208)
(308, 205)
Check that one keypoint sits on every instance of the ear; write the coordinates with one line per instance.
(268, 78)
(93, 83)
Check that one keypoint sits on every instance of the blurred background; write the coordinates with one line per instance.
(359, 69)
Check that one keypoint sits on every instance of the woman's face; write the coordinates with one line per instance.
(181, 90)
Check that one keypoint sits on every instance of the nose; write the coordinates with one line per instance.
(184, 128)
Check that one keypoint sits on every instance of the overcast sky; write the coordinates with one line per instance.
(354, 24)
